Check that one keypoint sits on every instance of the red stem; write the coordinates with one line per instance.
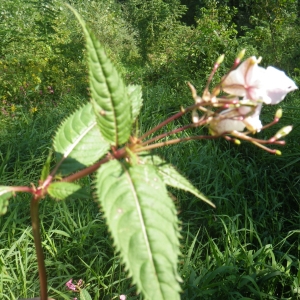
(34, 211)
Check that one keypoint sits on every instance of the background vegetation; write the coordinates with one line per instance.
(249, 247)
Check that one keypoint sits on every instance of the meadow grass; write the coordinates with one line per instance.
(246, 248)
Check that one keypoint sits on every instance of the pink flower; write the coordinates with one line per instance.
(246, 80)
(122, 297)
(237, 119)
(255, 83)
(70, 285)
(277, 85)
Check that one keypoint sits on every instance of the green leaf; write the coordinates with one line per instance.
(144, 225)
(5, 194)
(171, 177)
(78, 142)
(84, 295)
(63, 190)
(109, 93)
(136, 100)
(46, 167)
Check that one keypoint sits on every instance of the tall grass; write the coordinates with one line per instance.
(247, 248)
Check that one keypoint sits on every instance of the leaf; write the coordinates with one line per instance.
(136, 100)
(46, 167)
(144, 225)
(84, 295)
(5, 194)
(109, 93)
(78, 142)
(63, 190)
(171, 177)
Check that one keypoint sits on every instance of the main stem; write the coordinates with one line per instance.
(34, 211)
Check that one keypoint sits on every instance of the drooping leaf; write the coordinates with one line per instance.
(78, 141)
(109, 93)
(136, 100)
(171, 177)
(144, 225)
(63, 190)
(5, 194)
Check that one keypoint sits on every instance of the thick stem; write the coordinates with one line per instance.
(34, 211)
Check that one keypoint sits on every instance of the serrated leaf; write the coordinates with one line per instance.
(109, 93)
(84, 295)
(136, 100)
(78, 141)
(172, 178)
(63, 190)
(5, 194)
(144, 225)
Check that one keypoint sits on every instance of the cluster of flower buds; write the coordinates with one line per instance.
(238, 101)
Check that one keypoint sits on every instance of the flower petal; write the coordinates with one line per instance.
(277, 85)
(232, 119)
(245, 79)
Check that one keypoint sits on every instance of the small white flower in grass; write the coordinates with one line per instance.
(122, 297)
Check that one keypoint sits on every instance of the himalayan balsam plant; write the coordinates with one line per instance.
(130, 183)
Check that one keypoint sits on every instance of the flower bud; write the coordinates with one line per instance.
(283, 132)
(278, 114)
(220, 59)
(241, 54)
(195, 117)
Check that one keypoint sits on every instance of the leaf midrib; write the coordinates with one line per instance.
(141, 218)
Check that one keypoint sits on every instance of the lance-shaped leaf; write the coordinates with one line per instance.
(143, 222)
(171, 177)
(136, 100)
(78, 142)
(109, 93)
(5, 194)
(63, 190)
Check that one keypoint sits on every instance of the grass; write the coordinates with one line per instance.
(248, 248)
